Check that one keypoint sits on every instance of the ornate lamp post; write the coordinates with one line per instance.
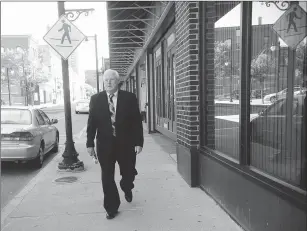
(70, 156)
(73, 14)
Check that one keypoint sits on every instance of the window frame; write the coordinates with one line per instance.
(285, 190)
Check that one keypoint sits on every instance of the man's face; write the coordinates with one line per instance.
(110, 83)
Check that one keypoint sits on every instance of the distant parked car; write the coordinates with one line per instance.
(280, 95)
(82, 106)
(269, 128)
(257, 93)
(27, 134)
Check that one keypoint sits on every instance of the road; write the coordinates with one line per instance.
(16, 176)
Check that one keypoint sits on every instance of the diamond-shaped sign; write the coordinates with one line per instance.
(64, 37)
(292, 26)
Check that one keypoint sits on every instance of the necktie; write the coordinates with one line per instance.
(112, 113)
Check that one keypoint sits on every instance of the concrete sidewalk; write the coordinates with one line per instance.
(162, 200)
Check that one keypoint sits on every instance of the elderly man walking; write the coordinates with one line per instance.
(115, 119)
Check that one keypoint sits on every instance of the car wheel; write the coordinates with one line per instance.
(39, 160)
(77, 112)
(273, 99)
(56, 144)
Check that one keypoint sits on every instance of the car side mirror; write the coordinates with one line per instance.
(54, 121)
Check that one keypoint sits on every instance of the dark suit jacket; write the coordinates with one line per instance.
(128, 123)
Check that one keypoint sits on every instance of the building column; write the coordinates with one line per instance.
(187, 35)
(150, 91)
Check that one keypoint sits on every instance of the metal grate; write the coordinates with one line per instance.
(67, 179)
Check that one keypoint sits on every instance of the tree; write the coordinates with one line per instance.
(31, 71)
(225, 63)
(261, 66)
(300, 68)
(221, 56)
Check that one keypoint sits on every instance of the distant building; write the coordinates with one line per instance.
(73, 62)
(31, 48)
(47, 89)
(91, 78)
(106, 63)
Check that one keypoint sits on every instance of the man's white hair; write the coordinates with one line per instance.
(111, 72)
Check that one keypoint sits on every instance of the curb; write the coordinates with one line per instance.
(14, 203)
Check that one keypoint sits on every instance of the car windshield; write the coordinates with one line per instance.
(15, 116)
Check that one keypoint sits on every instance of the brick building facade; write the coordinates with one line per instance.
(246, 152)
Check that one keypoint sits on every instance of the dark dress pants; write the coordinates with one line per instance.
(126, 160)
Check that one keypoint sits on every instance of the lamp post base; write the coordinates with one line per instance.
(70, 159)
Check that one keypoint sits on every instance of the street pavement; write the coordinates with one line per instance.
(15, 176)
(162, 199)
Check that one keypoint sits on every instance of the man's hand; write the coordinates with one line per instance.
(138, 149)
(91, 151)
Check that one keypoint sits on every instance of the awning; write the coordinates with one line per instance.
(131, 25)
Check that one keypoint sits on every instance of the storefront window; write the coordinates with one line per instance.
(278, 91)
(223, 85)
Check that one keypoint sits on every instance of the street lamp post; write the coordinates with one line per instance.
(8, 82)
(97, 73)
(96, 57)
(273, 48)
(24, 74)
(70, 156)
(8, 85)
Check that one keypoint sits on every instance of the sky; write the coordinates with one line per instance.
(19, 18)
(33, 18)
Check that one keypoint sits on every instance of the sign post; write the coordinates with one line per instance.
(64, 38)
(292, 28)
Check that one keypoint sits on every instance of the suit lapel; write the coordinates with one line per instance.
(105, 103)
(119, 107)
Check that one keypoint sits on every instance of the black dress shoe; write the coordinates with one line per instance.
(128, 196)
(111, 215)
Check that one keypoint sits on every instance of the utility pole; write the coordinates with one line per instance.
(70, 156)
(102, 70)
(97, 72)
(8, 85)
(231, 74)
(26, 80)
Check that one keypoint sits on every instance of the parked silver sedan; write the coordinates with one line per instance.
(82, 106)
(27, 134)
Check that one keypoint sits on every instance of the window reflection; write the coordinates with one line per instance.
(223, 118)
(278, 99)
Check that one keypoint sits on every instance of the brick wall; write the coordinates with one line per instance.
(209, 83)
(187, 77)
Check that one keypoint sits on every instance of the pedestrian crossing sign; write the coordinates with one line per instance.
(292, 26)
(64, 37)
